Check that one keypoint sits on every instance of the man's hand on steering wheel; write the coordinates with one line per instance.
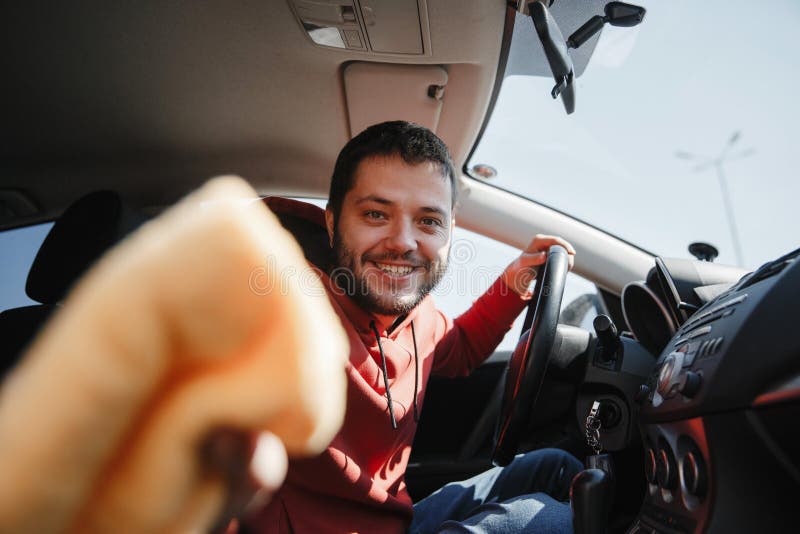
(522, 271)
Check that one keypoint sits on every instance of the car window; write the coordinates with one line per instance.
(696, 135)
(18, 248)
(475, 263)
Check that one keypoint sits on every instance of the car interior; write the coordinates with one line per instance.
(687, 369)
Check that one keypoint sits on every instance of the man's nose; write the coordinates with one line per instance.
(402, 237)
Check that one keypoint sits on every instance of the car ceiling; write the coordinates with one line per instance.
(153, 98)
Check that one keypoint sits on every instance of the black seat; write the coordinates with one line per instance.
(86, 229)
(17, 327)
(306, 223)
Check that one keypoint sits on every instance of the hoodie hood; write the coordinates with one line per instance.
(307, 223)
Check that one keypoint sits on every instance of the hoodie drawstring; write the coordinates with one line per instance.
(416, 372)
(386, 373)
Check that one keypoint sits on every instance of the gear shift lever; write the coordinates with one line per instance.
(590, 499)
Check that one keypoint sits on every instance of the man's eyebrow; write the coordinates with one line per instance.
(434, 209)
(374, 198)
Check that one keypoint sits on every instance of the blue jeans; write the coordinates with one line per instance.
(531, 494)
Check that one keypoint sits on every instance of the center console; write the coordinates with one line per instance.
(717, 454)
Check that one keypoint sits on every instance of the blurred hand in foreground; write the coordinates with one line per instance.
(168, 391)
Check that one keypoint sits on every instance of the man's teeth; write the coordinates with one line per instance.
(400, 270)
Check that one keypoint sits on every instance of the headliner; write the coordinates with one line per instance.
(153, 99)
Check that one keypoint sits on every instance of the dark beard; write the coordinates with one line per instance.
(356, 287)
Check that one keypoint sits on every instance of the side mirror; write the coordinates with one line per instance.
(616, 14)
(624, 15)
(555, 49)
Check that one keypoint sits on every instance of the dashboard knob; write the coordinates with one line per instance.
(690, 383)
(669, 375)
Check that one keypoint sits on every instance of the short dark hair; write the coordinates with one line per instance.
(412, 142)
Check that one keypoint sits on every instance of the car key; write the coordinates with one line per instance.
(598, 460)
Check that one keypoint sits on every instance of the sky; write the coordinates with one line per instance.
(17, 250)
(686, 79)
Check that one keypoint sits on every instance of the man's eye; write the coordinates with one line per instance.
(430, 221)
(374, 215)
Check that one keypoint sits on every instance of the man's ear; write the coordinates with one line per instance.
(330, 225)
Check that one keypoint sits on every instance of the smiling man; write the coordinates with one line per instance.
(391, 233)
(389, 224)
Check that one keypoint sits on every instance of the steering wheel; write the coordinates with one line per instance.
(526, 368)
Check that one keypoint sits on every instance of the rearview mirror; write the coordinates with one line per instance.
(555, 48)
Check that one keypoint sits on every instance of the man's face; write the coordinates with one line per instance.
(392, 238)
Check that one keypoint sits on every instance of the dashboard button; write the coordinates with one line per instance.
(737, 300)
(703, 315)
(698, 332)
(690, 384)
(705, 318)
(728, 304)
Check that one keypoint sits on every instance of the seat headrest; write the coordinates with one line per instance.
(18, 327)
(306, 222)
(89, 227)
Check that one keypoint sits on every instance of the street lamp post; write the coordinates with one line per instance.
(705, 162)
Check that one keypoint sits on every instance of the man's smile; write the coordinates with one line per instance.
(395, 269)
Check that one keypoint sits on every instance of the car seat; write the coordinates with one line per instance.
(86, 229)
(306, 222)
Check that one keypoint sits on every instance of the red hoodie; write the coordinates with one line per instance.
(357, 484)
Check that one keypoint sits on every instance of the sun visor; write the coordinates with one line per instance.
(382, 92)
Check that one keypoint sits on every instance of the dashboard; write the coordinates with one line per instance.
(719, 412)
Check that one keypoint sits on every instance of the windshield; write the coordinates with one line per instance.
(684, 131)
